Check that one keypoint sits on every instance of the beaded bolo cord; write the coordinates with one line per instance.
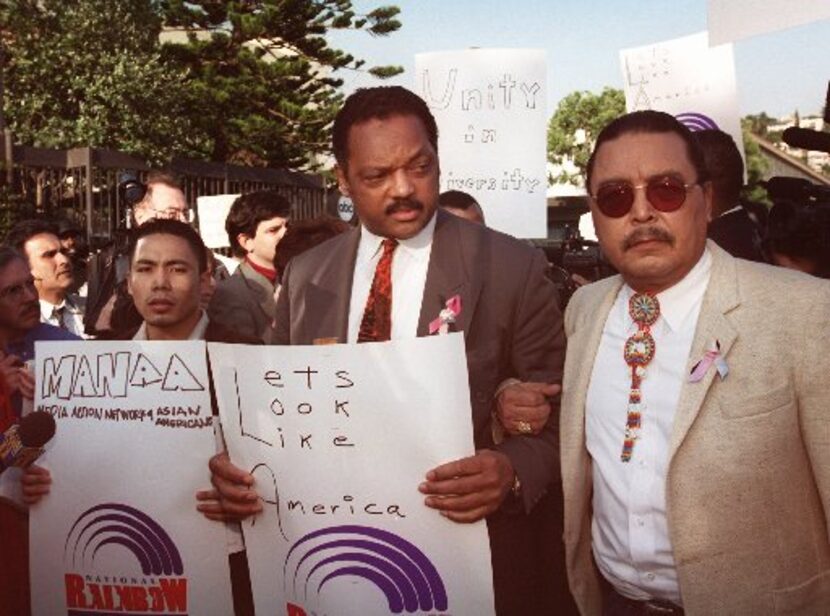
(638, 352)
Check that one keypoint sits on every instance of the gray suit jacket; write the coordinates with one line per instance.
(748, 485)
(244, 303)
(510, 318)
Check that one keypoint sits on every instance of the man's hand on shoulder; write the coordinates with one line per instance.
(524, 408)
(233, 497)
(469, 489)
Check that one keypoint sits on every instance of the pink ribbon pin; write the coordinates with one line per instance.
(448, 315)
(712, 356)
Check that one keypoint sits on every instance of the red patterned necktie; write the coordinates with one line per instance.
(376, 325)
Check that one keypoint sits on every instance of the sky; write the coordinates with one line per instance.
(776, 73)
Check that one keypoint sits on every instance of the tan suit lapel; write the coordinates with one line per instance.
(328, 295)
(713, 325)
(451, 272)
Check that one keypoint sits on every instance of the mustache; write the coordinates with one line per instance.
(403, 204)
(647, 233)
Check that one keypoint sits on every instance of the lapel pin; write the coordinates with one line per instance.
(447, 316)
(712, 356)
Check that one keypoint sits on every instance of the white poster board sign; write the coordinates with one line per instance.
(213, 210)
(338, 439)
(490, 109)
(686, 78)
(731, 20)
(119, 531)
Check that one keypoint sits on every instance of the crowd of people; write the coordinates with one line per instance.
(685, 467)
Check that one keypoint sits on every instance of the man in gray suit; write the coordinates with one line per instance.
(245, 301)
(695, 438)
(389, 279)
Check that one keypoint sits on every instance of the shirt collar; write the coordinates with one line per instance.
(47, 309)
(678, 301)
(417, 246)
(198, 332)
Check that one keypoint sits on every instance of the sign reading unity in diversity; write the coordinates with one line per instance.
(490, 109)
(119, 531)
(338, 439)
(730, 20)
(686, 78)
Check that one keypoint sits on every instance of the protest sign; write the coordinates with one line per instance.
(119, 531)
(338, 439)
(490, 108)
(213, 210)
(730, 20)
(686, 78)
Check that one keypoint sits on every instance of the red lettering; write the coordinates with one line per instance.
(74, 591)
(295, 610)
(175, 594)
(97, 597)
(156, 599)
(125, 598)
(139, 594)
(108, 598)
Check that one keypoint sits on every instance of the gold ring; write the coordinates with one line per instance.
(524, 427)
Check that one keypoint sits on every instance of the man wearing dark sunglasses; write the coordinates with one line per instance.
(695, 446)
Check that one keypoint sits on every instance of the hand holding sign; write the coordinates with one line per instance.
(469, 489)
(233, 497)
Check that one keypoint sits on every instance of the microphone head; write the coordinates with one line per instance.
(36, 429)
(806, 139)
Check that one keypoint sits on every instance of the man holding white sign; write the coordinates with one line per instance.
(410, 271)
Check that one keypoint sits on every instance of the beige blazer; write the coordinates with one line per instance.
(748, 485)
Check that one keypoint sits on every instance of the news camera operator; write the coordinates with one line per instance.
(110, 310)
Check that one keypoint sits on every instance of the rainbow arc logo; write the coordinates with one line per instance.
(696, 121)
(404, 574)
(125, 526)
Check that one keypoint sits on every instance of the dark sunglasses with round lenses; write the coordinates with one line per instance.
(665, 193)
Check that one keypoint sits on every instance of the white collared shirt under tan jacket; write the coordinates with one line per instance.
(748, 480)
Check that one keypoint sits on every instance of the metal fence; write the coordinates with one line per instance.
(81, 184)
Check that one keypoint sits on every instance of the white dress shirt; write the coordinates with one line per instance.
(68, 311)
(409, 275)
(630, 533)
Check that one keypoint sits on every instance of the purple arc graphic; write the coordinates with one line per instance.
(696, 121)
(379, 580)
(136, 542)
(166, 553)
(434, 584)
(403, 588)
(409, 568)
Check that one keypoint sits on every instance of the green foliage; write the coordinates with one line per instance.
(265, 75)
(756, 165)
(89, 73)
(251, 82)
(580, 111)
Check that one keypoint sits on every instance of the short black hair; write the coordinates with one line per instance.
(303, 235)
(650, 121)
(380, 102)
(25, 230)
(250, 209)
(457, 200)
(164, 226)
(725, 167)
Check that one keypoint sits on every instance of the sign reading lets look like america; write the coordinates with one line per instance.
(338, 439)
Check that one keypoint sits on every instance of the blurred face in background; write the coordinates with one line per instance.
(262, 247)
(51, 267)
(162, 201)
(19, 306)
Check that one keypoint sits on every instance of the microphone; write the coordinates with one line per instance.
(806, 139)
(23, 442)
